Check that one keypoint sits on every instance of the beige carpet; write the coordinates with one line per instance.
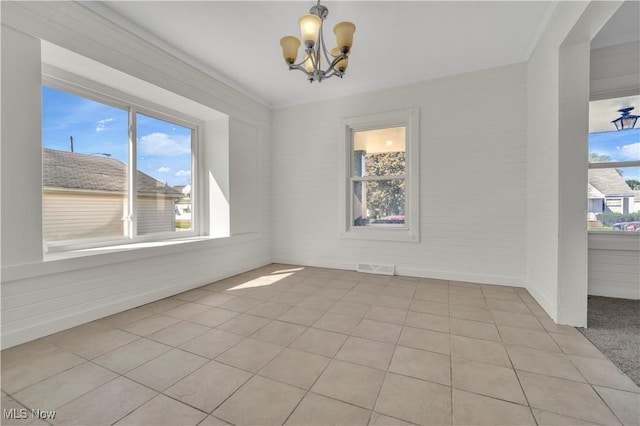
(614, 328)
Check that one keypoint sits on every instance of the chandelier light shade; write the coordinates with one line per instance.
(309, 28)
(315, 49)
(290, 46)
(627, 120)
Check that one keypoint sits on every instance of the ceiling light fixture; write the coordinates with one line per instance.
(315, 48)
(627, 120)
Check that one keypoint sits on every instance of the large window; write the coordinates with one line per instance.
(113, 171)
(381, 163)
(614, 168)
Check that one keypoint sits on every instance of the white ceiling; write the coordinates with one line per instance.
(396, 42)
(622, 27)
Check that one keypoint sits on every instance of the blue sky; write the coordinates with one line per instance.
(163, 148)
(621, 145)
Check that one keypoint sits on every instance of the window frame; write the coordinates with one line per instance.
(409, 119)
(86, 88)
(611, 236)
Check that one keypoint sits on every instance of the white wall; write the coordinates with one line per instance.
(557, 96)
(41, 297)
(614, 266)
(21, 89)
(472, 180)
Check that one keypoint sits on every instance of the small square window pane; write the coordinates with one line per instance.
(379, 203)
(614, 199)
(379, 152)
(164, 176)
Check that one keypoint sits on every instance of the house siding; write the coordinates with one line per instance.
(76, 215)
(67, 216)
(156, 214)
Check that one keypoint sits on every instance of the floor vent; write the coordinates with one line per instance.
(376, 269)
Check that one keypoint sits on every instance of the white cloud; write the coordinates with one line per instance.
(183, 173)
(102, 124)
(163, 169)
(163, 144)
(629, 152)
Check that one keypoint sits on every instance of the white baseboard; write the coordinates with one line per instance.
(543, 299)
(411, 272)
(35, 329)
(613, 289)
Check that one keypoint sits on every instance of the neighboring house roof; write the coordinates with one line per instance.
(63, 169)
(594, 193)
(609, 182)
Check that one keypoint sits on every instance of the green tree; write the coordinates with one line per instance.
(595, 157)
(385, 197)
(633, 184)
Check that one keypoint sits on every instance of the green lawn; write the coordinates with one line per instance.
(183, 224)
(600, 228)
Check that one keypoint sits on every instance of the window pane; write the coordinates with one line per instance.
(379, 203)
(606, 144)
(164, 176)
(379, 152)
(84, 168)
(614, 199)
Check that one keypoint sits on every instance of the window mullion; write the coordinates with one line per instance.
(377, 178)
(614, 164)
(132, 183)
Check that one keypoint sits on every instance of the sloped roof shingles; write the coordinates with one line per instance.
(62, 169)
(609, 182)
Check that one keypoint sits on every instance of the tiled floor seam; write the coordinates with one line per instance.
(25, 406)
(450, 355)
(306, 391)
(62, 371)
(607, 405)
(387, 372)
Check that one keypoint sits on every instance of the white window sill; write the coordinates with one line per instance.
(95, 257)
(625, 241)
(381, 234)
(117, 248)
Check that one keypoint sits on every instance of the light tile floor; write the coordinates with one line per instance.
(309, 346)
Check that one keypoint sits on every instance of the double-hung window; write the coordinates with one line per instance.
(114, 171)
(380, 188)
(614, 167)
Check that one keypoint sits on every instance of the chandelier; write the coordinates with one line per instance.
(627, 120)
(315, 50)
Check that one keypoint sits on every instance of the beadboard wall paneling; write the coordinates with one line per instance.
(42, 297)
(472, 180)
(39, 306)
(614, 70)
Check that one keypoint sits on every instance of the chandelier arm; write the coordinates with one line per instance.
(300, 68)
(335, 72)
(334, 63)
(323, 46)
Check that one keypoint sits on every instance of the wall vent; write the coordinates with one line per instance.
(370, 268)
